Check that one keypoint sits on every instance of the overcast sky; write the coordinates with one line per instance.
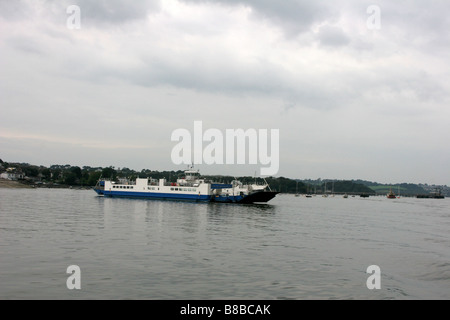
(353, 96)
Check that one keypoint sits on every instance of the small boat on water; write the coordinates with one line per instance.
(364, 195)
(345, 196)
(191, 187)
(391, 195)
(325, 194)
(296, 191)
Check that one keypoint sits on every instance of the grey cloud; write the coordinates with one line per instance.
(116, 11)
(92, 11)
(15, 10)
(25, 44)
(330, 36)
(232, 78)
(112, 80)
(424, 24)
(292, 16)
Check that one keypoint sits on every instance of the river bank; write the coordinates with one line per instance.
(15, 184)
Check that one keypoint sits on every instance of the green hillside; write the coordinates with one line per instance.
(402, 189)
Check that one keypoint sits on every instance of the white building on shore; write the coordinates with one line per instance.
(12, 174)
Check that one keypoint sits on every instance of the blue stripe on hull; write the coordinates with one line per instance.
(159, 196)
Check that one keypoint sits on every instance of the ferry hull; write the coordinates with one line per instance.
(156, 196)
(257, 197)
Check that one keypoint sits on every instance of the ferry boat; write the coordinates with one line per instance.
(191, 187)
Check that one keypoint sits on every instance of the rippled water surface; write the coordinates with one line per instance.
(292, 248)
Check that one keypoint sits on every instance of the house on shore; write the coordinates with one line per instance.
(12, 174)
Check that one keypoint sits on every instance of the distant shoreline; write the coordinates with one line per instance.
(16, 184)
(10, 184)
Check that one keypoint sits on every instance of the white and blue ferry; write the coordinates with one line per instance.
(191, 188)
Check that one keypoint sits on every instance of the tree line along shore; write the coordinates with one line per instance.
(68, 176)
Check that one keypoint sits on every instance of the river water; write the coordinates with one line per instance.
(292, 248)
